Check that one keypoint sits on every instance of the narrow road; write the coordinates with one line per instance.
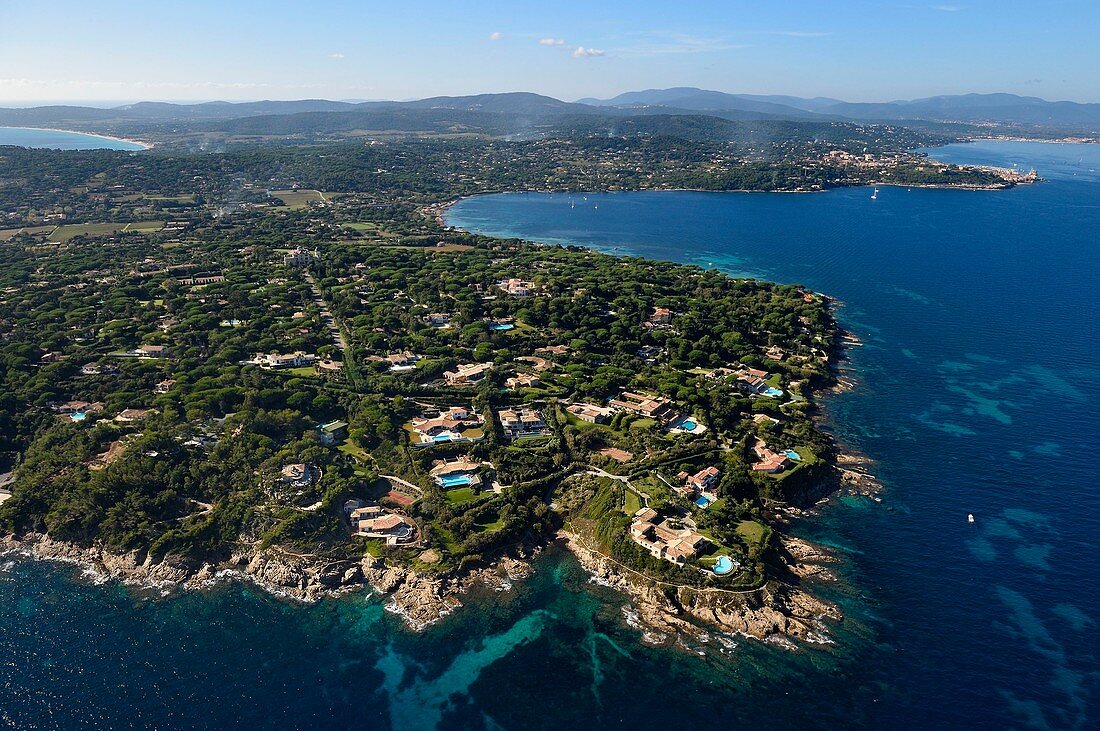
(618, 478)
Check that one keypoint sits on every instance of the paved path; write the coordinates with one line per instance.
(403, 483)
(619, 478)
(326, 315)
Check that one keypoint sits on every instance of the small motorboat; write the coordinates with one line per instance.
(970, 517)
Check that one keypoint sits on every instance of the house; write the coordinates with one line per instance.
(517, 287)
(402, 361)
(131, 415)
(273, 361)
(660, 316)
(77, 407)
(151, 351)
(435, 427)
(590, 412)
(439, 320)
(328, 365)
(653, 407)
(164, 386)
(522, 423)
(297, 475)
(662, 540)
(523, 380)
(392, 528)
(558, 350)
(299, 257)
(52, 357)
(768, 462)
(332, 432)
(460, 473)
(705, 480)
(467, 374)
(650, 353)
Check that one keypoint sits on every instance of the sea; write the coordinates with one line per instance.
(977, 391)
(62, 140)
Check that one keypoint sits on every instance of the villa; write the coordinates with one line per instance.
(523, 380)
(297, 475)
(677, 545)
(522, 423)
(392, 528)
(652, 407)
(149, 351)
(439, 320)
(132, 415)
(468, 374)
(452, 425)
(590, 412)
(274, 361)
(299, 257)
(661, 317)
(460, 473)
(164, 386)
(768, 462)
(332, 432)
(402, 361)
(517, 287)
(558, 350)
(705, 480)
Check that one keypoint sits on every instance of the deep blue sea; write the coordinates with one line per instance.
(978, 391)
(62, 140)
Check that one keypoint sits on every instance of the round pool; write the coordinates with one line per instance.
(723, 565)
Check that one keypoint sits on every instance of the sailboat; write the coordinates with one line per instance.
(874, 196)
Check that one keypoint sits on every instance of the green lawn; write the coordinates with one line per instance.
(642, 424)
(461, 495)
(67, 233)
(751, 531)
(631, 502)
(301, 372)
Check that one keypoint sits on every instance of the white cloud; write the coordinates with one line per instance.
(336, 55)
(552, 41)
(495, 36)
(582, 52)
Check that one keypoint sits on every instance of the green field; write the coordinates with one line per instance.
(632, 503)
(68, 233)
(297, 199)
(461, 495)
(7, 233)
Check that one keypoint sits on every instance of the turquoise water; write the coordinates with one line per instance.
(502, 326)
(61, 140)
(78, 416)
(978, 385)
(455, 480)
(791, 454)
(702, 501)
(688, 424)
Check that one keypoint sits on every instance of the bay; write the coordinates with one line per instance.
(63, 140)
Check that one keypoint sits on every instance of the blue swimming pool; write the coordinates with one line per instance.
(78, 416)
(703, 501)
(769, 391)
(455, 480)
(442, 438)
(723, 565)
(502, 326)
(791, 454)
(688, 425)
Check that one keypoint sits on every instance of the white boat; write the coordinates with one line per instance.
(970, 517)
(874, 196)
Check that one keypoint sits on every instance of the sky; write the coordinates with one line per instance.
(856, 50)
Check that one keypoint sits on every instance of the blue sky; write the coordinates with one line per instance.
(859, 50)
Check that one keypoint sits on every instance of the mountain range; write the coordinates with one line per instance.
(511, 113)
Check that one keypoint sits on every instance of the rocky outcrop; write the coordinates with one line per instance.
(668, 612)
(421, 599)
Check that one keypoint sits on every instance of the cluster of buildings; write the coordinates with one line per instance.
(701, 487)
(663, 540)
(659, 318)
(299, 257)
(591, 413)
(463, 472)
(398, 362)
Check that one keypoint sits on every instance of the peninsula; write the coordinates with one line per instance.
(277, 363)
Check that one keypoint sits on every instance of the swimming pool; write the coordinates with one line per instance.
(78, 416)
(455, 480)
(723, 565)
(442, 437)
(502, 326)
(791, 454)
(703, 501)
(769, 391)
(688, 425)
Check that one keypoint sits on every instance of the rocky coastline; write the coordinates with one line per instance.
(420, 599)
(668, 614)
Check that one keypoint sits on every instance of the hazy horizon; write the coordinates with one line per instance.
(866, 50)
